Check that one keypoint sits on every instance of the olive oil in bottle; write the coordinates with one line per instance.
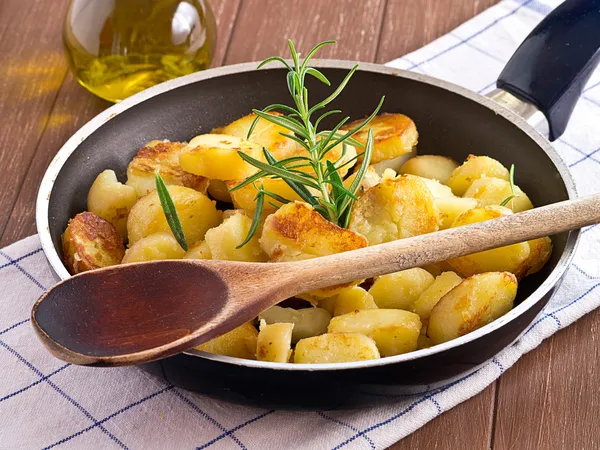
(117, 48)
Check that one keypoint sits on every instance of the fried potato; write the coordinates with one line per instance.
(475, 302)
(90, 242)
(223, 240)
(196, 212)
(239, 343)
(265, 134)
(435, 167)
(452, 207)
(111, 200)
(245, 197)
(394, 164)
(395, 209)
(510, 258)
(493, 191)
(199, 250)
(307, 321)
(443, 284)
(541, 250)
(437, 189)
(371, 179)
(215, 156)
(424, 341)
(353, 299)
(296, 232)
(393, 330)
(335, 348)
(218, 191)
(472, 169)
(161, 156)
(393, 135)
(157, 246)
(274, 342)
(400, 289)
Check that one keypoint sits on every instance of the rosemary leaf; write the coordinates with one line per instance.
(274, 170)
(260, 202)
(512, 187)
(170, 212)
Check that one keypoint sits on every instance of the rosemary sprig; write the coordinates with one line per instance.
(321, 186)
(170, 212)
(512, 187)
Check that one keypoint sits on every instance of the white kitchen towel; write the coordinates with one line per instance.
(45, 403)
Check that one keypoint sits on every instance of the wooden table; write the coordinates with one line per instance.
(549, 399)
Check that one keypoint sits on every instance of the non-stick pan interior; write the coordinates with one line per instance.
(448, 124)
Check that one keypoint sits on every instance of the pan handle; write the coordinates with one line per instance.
(551, 67)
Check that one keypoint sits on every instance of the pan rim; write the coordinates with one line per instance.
(61, 157)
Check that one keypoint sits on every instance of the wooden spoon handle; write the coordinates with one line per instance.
(443, 245)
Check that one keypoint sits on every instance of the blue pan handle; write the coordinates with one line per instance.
(551, 67)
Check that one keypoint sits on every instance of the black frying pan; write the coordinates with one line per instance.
(543, 79)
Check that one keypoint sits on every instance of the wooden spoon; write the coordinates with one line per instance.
(135, 313)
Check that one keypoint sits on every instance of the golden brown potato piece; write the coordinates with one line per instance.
(395, 209)
(443, 284)
(393, 135)
(161, 156)
(493, 191)
(510, 258)
(394, 164)
(199, 250)
(239, 343)
(265, 134)
(452, 207)
(196, 212)
(90, 242)
(393, 330)
(438, 190)
(223, 240)
(215, 156)
(296, 232)
(541, 250)
(435, 167)
(245, 197)
(335, 348)
(307, 321)
(274, 342)
(353, 299)
(218, 191)
(111, 200)
(472, 169)
(475, 302)
(400, 289)
(157, 246)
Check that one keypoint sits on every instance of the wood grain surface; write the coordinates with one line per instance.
(548, 400)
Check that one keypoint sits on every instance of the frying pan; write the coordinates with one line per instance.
(540, 85)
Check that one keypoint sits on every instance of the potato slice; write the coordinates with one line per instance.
(443, 284)
(353, 299)
(274, 342)
(394, 164)
(435, 167)
(157, 246)
(473, 168)
(475, 302)
(335, 348)
(438, 190)
(393, 135)
(265, 134)
(90, 242)
(223, 240)
(393, 330)
(395, 209)
(452, 207)
(239, 343)
(371, 179)
(161, 156)
(199, 250)
(493, 191)
(307, 321)
(215, 156)
(541, 250)
(510, 258)
(400, 289)
(217, 190)
(296, 232)
(196, 212)
(111, 200)
(245, 197)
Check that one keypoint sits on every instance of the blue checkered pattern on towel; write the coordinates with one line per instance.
(45, 403)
